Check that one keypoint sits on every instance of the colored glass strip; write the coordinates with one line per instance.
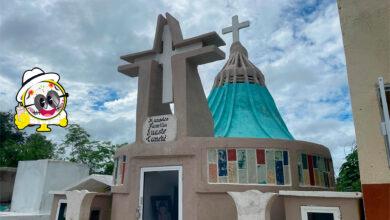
(222, 163)
(123, 171)
(116, 170)
(248, 166)
(311, 170)
(279, 172)
(232, 155)
(285, 158)
(314, 170)
(260, 156)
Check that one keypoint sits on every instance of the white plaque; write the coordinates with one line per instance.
(161, 128)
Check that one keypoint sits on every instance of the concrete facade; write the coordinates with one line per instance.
(366, 35)
(7, 180)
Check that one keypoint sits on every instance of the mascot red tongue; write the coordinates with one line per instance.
(47, 112)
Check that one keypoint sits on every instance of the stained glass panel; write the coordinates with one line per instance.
(248, 166)
(314, 170)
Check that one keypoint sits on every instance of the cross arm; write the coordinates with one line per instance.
(131, 70)
(211, 38)
(227, 30)
(204, 55)
(243, 24)
(131, 58)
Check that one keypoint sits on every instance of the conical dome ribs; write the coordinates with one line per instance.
(238, 69)
(241, 104)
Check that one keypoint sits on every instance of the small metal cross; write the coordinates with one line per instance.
(235, 28)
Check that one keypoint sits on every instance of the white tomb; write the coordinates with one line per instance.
(34, 179)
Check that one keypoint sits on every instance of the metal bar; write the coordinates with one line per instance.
(386, 117)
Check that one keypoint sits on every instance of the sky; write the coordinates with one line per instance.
(297, 44)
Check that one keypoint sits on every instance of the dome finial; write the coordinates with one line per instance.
(235, 28)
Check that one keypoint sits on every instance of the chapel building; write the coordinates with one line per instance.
(228, 157)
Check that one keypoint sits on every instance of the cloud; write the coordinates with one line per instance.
(296, 43)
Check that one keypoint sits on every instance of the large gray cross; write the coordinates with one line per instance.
(164, 58)
(235, 28)
(169, 72)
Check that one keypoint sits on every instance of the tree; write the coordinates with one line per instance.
(77, 147)
(98, 155)
(349, 177)
(16, 145)
(36, 147)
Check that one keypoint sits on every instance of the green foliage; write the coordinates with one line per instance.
(349, 177)
(16, 145)
(77, 147)
(98, 155)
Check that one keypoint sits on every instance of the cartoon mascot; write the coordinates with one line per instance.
(42, 101)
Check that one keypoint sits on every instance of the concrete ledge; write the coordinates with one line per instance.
(326, 194)
(23, 216)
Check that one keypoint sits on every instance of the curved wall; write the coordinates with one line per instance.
(193, 155)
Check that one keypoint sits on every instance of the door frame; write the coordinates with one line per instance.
(320, 209)
(159, 169)
(60, 201)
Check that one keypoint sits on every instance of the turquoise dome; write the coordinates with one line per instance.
(241, 104)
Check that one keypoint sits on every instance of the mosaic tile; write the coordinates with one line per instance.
(326, 179)
(321, 164)
(315, 164)
(212, 155)
(213, 173)
(311, 170)
(232, 156)
(260, 155)
(321, 178)
(241, 154)
(270, 160)
(252, 171)
(304, 161)
(285, 158)
(262, 174)
(327, 165)
(300, 174)
(286, 174)
(306, 177)
(232, 171)
(116, 171)
(279, 172)
(279, 155)
(271, 176)
(222, 179)
(317, 177)
(222, 162)
(242, 176)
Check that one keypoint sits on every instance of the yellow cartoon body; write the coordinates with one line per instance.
(42, 101)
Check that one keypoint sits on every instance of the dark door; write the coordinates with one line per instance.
(160, 195)
(95, 215)
(319, 216)
(62, 211)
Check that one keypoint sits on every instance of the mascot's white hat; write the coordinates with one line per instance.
(32, 77)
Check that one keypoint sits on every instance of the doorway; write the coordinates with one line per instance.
(61, 209)
(160, 193)
(320, 213)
